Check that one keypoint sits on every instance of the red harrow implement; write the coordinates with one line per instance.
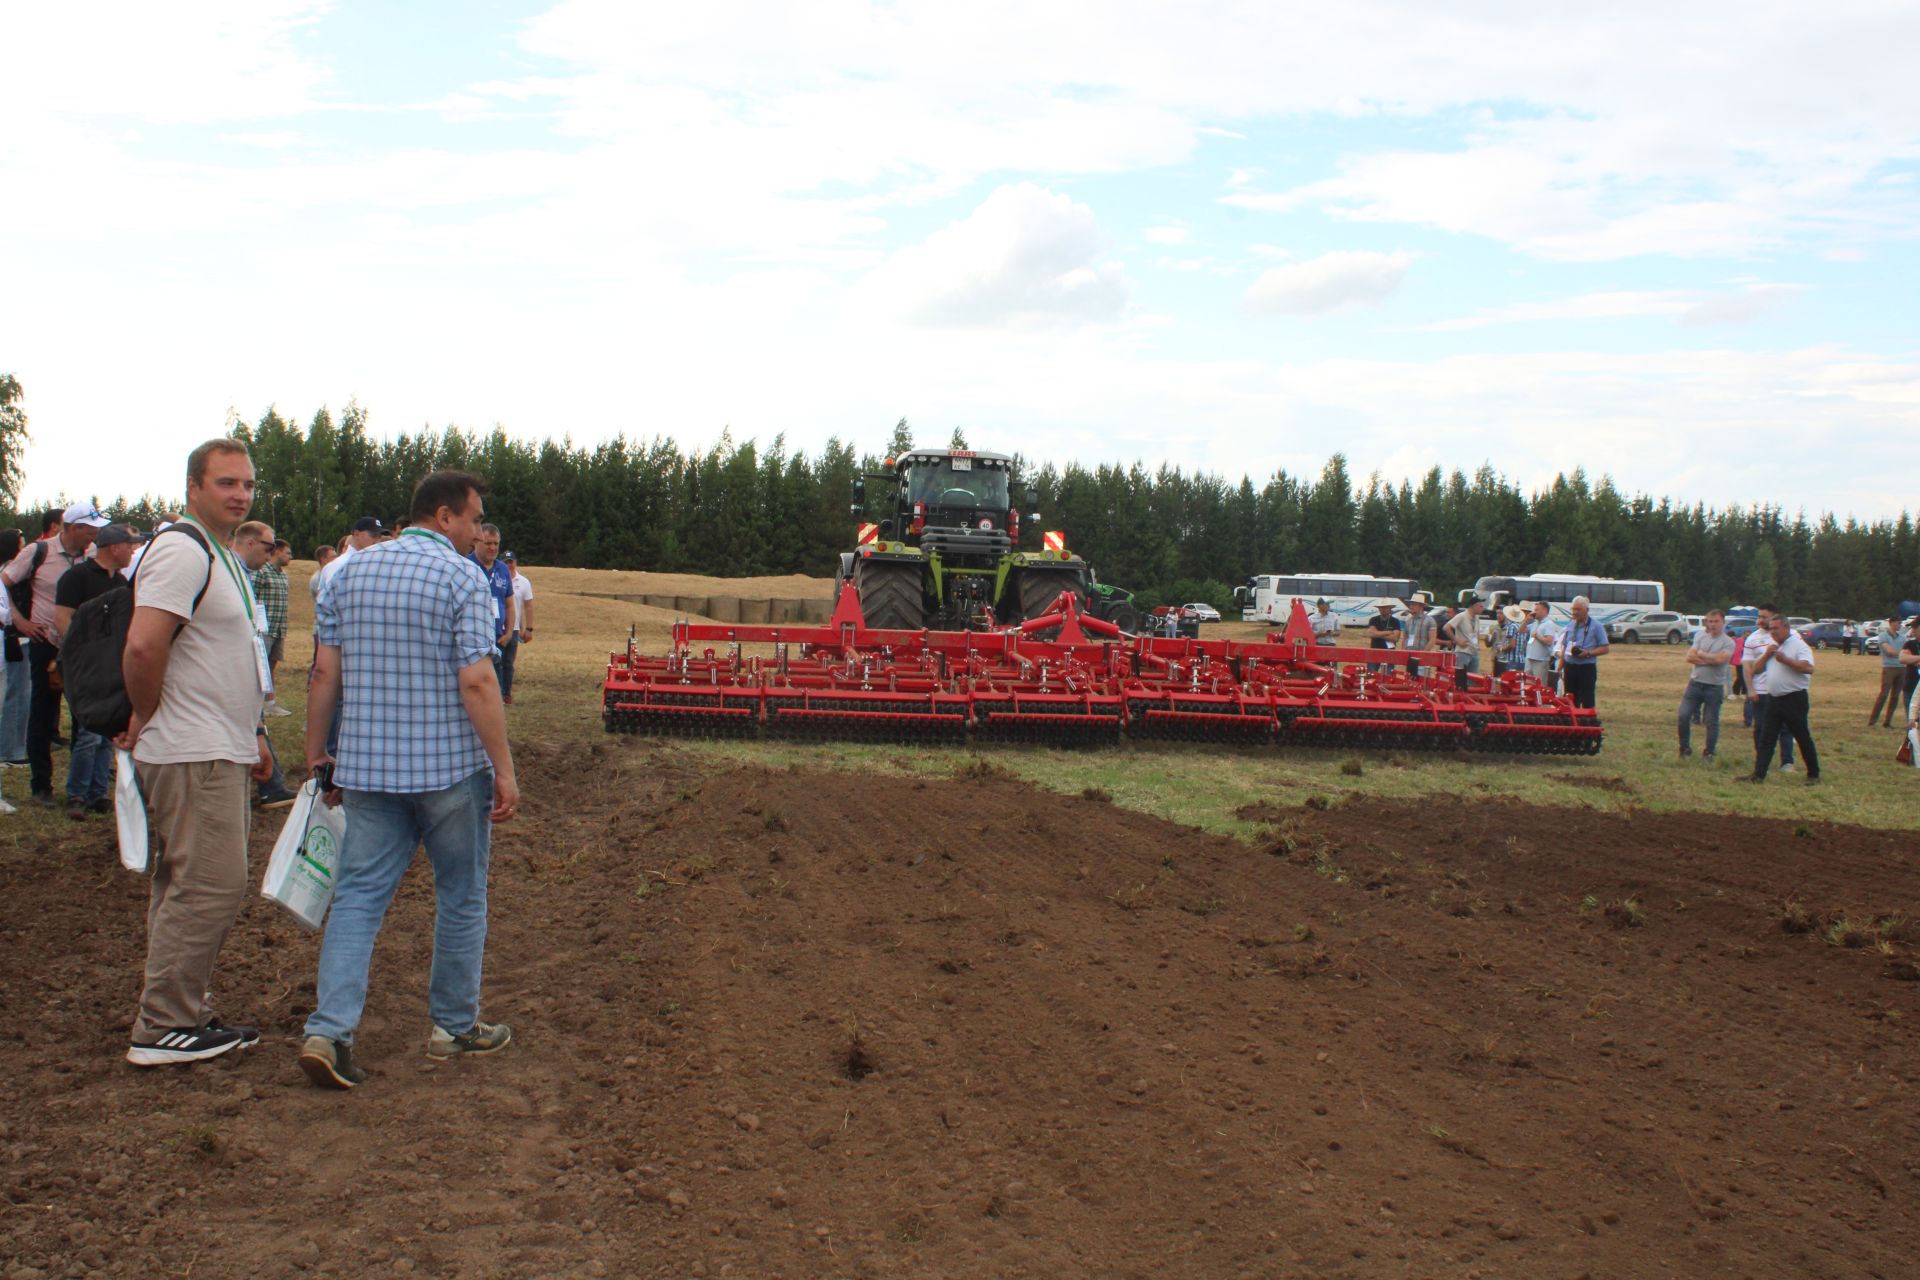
(1067, 679)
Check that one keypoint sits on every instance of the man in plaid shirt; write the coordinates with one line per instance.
(405, 641)
(270, 589)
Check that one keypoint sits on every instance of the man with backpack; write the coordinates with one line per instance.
(90, 766)
(197, 679)
(31, 577)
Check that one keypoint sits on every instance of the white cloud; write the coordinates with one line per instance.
(1330, 282)
(1025, 256)
(1692, 307)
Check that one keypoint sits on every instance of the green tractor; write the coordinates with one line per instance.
(939, 551)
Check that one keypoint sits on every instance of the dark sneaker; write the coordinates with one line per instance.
(249, 1036)
(103, 805)
(1709, 756)
(277, 799)
(185, 1044)
(330, 1064)
(484, 1038)
(1813, 779)
(77, 811)
(1749, 777)
(44, 799)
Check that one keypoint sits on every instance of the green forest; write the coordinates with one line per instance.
(743, 508)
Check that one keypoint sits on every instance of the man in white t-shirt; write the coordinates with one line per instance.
(197, 678)
(1752, 662)
(1787, 666)
(1540, 638)
(522, 600)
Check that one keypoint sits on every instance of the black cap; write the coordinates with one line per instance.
(506, 555)
(114, 535)
(368, 524)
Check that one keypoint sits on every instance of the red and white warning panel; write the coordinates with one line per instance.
(869, 533)
(1054, 540)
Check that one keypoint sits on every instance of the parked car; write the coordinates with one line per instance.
(1201, 612)
(1802, 625)
(1656, 626)
(1827, 631)
(1621, 621)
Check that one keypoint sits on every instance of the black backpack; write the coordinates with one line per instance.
(95, 640)
(21, 592)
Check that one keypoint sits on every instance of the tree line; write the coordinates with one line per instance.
(742, 509)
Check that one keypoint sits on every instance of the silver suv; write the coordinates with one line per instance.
(1657, 627)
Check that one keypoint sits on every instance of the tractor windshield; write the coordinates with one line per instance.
(957, 482)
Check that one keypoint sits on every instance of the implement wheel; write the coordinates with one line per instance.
(1037, 589)
(890, 595)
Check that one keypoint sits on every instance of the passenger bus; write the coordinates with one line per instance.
(1608, 599)
(1270, 597)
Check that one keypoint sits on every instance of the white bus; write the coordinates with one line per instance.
(1350, 596)
(1608, 599)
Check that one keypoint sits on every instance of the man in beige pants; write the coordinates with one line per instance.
(197, 678)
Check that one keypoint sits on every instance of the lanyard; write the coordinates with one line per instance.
(233, 570)
(441, 538)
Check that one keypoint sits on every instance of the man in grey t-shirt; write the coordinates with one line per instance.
(1710, 657)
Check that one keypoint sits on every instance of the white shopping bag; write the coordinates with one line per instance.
(130, 814)
(300, 872)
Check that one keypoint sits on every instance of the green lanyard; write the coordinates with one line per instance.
(440, 538)
(233, 570)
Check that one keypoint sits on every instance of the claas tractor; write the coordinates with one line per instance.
(939, 546)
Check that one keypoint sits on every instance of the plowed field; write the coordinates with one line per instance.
(786, 1023)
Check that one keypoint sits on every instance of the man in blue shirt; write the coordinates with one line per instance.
(486, 554)
(405, 638)
(1586, 641)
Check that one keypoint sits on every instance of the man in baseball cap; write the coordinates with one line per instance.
(43, 564)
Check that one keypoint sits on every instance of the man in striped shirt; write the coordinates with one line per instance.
(405, 634)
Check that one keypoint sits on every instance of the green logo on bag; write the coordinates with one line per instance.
(319, 844)
(317, 851)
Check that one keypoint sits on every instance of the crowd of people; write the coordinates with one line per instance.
(1565, 655)
(406, 727)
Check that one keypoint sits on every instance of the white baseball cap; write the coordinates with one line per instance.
(85, 513)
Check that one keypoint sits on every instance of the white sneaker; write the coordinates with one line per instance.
(275, 709)
(6, 808)
(1787, 768)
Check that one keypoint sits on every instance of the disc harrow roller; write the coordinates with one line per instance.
(1062, 680)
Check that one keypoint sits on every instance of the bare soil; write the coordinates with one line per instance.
(800, 1024)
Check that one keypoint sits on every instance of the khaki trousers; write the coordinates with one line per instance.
(201, 816)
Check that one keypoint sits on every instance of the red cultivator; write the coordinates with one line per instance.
(1066, 679)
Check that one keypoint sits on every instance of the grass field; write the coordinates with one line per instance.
(577, 626)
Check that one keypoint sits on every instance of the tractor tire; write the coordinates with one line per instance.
(890, 595)
(1037, 589)
(1127, 618)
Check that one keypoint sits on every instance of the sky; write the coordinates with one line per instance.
(1674, 244)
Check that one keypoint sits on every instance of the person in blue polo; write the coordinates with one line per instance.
(486, 554)
(1586, 642)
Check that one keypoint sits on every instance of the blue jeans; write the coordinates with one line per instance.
(383, 830)
(13, 714)
(89, 767)
(1706, 699)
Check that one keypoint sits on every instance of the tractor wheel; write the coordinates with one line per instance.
(1127, 618)
(890, 595)
(1037, 589)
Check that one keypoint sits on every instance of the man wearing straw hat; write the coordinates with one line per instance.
(1510, 651)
